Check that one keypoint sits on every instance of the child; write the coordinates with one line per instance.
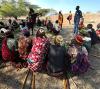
(24, 44)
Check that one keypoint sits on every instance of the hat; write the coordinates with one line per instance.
(58, 39)
(79, 39)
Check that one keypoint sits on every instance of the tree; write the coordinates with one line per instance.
(15, 8)
(43, 12)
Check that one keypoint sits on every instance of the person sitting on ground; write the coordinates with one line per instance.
(58, 59)
(23, 25)
(15, 25)
(1, 25)
(94, 38)
(39, 49)
(56, 28)
(24, 44)
(8, 47)
(49, 26)
(79, 56)
(98, 30)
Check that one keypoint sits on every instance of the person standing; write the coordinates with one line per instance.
(32, 19)
(78, 15)
(60, 19)
(69, 18)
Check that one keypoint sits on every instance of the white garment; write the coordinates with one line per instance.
(56, 26)
(3, 30)
(87, 39)
(84, 50)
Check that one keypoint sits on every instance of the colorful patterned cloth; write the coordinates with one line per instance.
(37, 53)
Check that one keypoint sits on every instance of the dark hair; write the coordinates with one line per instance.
(9, 35)
(77, 7)
(40, 34)
(89, 26)
(26, 33)
(31, 10)
(56, 21)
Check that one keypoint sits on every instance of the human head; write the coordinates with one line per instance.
(9, 20)
(9, 34)
(26, 33)
(89, 26)
(60, 12)
(58, 40)
(78, 39)
(77, 7)
(56, 21)
(40, 33)
(98, 26)
(31, 10)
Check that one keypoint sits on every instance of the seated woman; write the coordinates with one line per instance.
(79, 56)
(23, 25)
(39, 49)
(58, 59)
(8, 47)
(24, 44)
(98, 30)
(94, 38)
(49, 26)
(56, 28)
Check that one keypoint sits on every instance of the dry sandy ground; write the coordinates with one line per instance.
(10, 78)
(93, 18)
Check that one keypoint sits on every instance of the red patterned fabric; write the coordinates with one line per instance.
(37, 53)
(7, 55)
(98, 32)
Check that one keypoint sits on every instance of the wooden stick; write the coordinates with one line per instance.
(33, 80)
(66, 83)
(25, 79)
(95, 55)
(73, 81)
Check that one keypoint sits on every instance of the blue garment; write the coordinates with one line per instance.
(78, 15)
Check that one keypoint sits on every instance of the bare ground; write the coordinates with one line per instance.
(10, 78)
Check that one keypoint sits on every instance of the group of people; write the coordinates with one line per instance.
(40, 54)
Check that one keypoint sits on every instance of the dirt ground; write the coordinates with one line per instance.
(10, 78)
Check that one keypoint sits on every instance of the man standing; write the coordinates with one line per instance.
(78, 15)
(32, 19)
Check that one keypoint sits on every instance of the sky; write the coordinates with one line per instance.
(66, 5)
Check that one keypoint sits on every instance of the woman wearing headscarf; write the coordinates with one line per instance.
(58, 59)
(39, 50)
